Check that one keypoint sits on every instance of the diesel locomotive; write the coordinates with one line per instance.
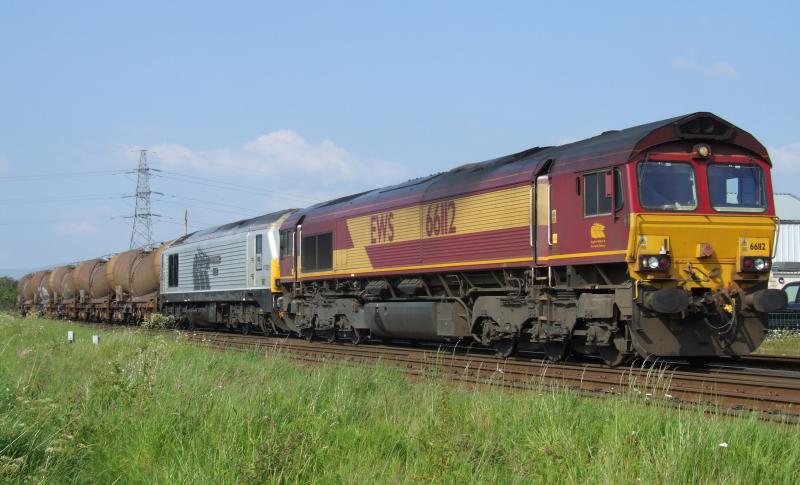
(655, 240)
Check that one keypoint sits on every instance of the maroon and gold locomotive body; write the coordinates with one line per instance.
(550, 249)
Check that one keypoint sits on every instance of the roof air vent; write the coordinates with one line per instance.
(704, 127)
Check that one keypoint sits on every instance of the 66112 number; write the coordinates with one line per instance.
(440, 218)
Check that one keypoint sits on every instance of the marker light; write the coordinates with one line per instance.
(659, 262)
(756, 265)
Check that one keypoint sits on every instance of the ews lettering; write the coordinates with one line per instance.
(381, 228)
(441, 218)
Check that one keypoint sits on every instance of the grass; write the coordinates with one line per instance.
(781, 342)
(142, 409)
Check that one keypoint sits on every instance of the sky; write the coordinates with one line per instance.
(251, 107)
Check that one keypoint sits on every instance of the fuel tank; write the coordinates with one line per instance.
(120, 268)
(55, 279)
(417, 320)
(146, 273)
(90, 277)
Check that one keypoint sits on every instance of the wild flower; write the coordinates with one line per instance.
(9, 466)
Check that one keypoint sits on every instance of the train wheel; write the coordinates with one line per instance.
(611, 355)
(505, 348)
(308, 334)
(244, 328)
(328, 336)
(556, 351)
(355, 336)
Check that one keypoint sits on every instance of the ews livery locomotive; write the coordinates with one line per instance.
(650, 241)
(655, 240)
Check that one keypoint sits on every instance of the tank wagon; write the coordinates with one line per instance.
(22, 286)
(656, 240)
(653, 240)
(36, 296)
(224, 276)
(60, 289)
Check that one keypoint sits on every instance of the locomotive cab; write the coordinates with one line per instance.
(701, 246)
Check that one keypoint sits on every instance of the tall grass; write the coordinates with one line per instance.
(781, 342)
(144, 409)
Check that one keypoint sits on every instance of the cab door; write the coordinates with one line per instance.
(257, 274)
(543, 220)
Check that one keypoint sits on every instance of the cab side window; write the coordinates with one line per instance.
(286, 243)
(172, 270)
(316, 253)
(619, 201)
(597, 194)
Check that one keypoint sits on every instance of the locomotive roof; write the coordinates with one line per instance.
(608, 148)
(244, 225)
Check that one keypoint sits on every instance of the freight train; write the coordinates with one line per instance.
(655, 240)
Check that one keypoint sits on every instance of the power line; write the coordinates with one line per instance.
(193, 179)
(167, 174)
(60, 198)
(60, 175)
(47, 221)
(181, 197)
(216, 209)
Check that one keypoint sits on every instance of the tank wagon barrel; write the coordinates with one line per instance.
(67, 287)
(146, 273)
(40, 282)
(90, 278)
(56, 278)
(119, 269)
(33, 284)
(22, 286)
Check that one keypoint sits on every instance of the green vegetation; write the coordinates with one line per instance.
(158, 321)
(144, 409)
(781, 342)
(8, 293)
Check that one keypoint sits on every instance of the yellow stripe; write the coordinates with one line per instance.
(583, 255)
(426, 266)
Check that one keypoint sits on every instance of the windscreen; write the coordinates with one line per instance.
(667, 186)
(736, 187)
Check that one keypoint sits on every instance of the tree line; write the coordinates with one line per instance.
(8, 293)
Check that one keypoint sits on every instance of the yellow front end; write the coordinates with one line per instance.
(705, 296)
(705, 251)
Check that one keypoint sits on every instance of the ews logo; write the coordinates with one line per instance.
(381, 228)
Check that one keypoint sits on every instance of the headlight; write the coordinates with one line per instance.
(655, 262)
(756, 265)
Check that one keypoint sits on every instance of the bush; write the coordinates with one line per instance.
(8, 293)
(158, 321)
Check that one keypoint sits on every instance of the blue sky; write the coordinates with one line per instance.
(313, 100)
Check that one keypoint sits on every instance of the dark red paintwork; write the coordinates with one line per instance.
(563, 165)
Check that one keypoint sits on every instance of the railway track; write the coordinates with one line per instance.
(768, 385)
